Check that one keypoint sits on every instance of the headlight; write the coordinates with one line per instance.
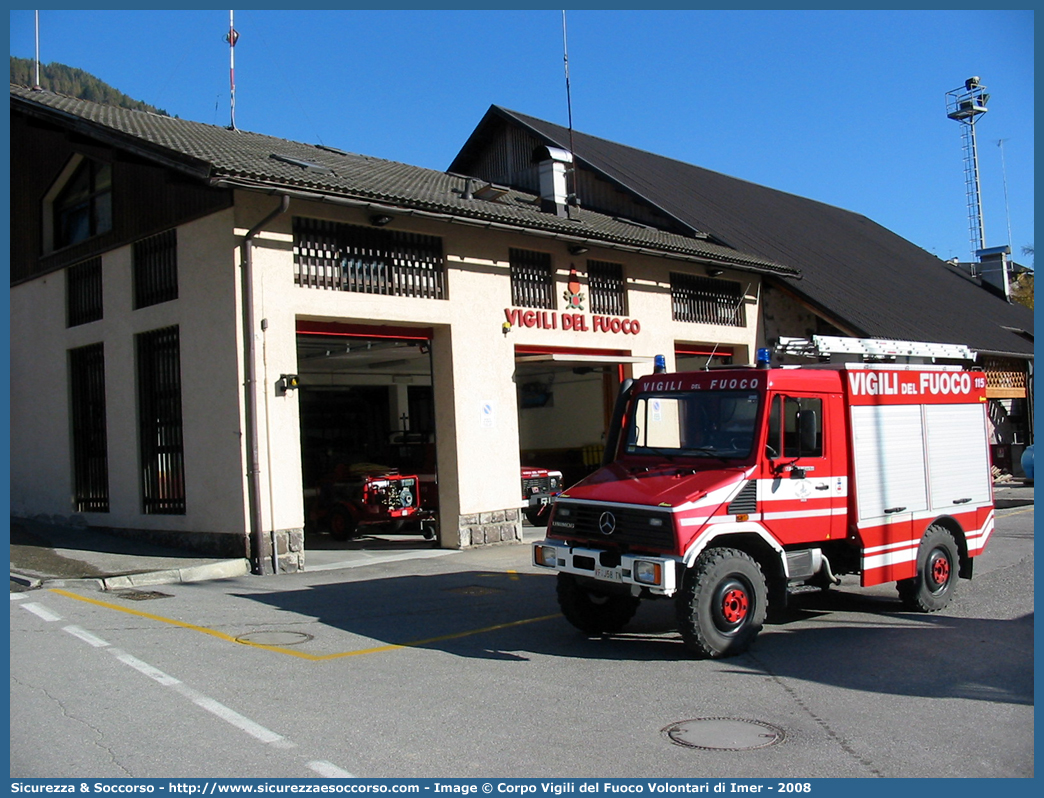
(646, 572)
(545, 555)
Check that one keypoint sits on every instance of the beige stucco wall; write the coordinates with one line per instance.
(41, 460)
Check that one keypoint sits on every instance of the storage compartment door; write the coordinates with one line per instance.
(889, 461)
(958, 461)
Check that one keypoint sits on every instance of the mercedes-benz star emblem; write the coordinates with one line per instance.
(607, 523)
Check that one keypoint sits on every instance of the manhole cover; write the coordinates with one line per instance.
(474, 590)
(275, 638)
(140, 595)
(723, 734)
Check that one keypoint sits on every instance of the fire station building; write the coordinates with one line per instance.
(205, 323)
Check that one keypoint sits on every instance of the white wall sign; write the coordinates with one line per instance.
(489, 414)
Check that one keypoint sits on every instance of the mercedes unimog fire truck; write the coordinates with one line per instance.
(723, 490)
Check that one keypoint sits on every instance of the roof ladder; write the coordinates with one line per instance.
(839, 349)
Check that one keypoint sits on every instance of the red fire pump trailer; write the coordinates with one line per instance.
(724, 489)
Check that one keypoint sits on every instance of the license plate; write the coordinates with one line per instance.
(608, 574)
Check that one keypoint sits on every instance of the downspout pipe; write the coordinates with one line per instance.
(257, 536)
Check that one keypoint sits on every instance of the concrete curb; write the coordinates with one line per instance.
(225, 569)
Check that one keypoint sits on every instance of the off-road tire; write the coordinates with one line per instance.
(938, 562)
(592, 612)
(535, 517)
(342, 525)
(722, 604)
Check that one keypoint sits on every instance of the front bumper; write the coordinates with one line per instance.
(656, 573)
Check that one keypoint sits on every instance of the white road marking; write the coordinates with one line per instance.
(329, 770)
(144, 667)
(17, 596)
(41, 611)
(85, 636)
(242, 723)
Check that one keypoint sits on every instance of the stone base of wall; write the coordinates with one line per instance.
(289, 552)
(483, 529)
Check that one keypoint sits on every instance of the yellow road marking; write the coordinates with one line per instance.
(300, 654)
(1002, 514)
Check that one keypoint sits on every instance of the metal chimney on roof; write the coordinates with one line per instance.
(551, 168)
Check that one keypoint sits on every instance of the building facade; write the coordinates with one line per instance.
(205, 323)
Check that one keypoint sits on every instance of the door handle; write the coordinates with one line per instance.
(822, 487)
(961, 501)
(894, 510)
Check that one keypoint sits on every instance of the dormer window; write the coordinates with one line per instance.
(83, 207)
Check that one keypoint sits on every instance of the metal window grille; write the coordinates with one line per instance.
(83, 292)
(532, 284)
(156, 269)
(704, 300)
(89, 446)
(368, 260)
(160, 425)
(608, 290)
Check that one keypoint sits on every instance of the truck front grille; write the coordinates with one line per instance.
(611, 524)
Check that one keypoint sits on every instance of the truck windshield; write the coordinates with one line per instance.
(698, 424)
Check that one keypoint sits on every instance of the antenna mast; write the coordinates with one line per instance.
(36, 78)
(1004, 175)
(569, 107)
(232, 38)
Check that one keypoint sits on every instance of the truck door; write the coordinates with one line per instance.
(803, 490)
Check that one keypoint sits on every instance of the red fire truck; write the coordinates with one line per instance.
(540, 486)
(363, 495)
(724, 489)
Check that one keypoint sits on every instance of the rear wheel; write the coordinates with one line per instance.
(937, 566)
(342, 525)
(722, 604)
(591, 611)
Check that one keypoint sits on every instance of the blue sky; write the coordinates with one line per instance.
(845, 107)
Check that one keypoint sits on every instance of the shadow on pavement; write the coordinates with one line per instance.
(493, 615)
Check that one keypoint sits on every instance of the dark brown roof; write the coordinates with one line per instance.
(253, 161)
(853, 270)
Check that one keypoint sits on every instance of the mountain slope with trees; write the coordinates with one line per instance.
(73, 82)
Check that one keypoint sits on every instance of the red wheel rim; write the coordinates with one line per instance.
(734, 605)
(940, 569)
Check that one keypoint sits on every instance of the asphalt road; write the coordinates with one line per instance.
(461, 666)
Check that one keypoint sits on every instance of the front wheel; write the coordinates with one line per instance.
(722, 604)
(936, 581)
(535, 515)
(592, 612)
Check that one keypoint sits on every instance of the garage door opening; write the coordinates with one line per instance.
(565, 401)
(368, 449)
